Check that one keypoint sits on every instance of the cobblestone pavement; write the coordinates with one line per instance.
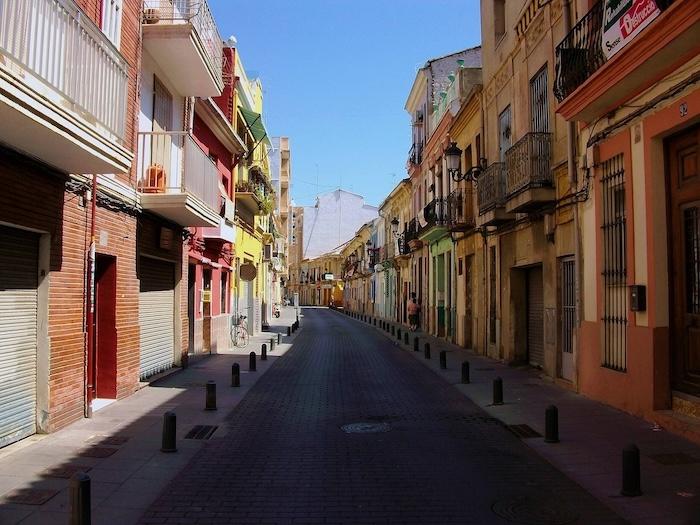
(285, 458)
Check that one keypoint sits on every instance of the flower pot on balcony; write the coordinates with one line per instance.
(150, 15)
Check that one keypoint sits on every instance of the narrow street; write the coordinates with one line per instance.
(438, 457)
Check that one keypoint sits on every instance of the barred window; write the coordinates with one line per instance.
(614, 265)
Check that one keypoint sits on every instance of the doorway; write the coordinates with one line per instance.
(103, 367)
(535, 317)
(191, 279)
(683, 155)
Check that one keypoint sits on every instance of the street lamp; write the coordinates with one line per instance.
(453, 157)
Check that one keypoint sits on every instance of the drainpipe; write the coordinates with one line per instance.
(90, 303)
(573, 184)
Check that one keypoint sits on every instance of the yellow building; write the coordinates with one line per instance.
(358, 293)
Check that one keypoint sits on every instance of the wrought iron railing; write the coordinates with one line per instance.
(54, 41)
(415, 154)
(172, 162)
(580, 53)
(528, 163)
(411, 231)
(491, 187)
(460, 209)
(435, 212)
(195, 12)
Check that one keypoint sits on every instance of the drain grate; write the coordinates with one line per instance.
(365, 428)
(201, 432)
(533, 510)
(676, 458)
(524, 431)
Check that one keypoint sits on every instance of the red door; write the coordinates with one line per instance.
(104, 364)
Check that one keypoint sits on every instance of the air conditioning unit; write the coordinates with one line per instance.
(228, 210)
(267, 252)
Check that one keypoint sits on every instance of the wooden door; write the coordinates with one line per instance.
(684, 210)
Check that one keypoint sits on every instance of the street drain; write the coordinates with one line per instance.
(201, 432)
(528, 510)
(524, 431)
(366, 428)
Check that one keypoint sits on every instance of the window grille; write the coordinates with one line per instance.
(568, 304)
(504, 133)
(691, 218)
(539, 102)
(614, 265)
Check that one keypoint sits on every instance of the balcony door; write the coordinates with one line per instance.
(539, 102)
(683, 153)
(161, 143)
(504, 133)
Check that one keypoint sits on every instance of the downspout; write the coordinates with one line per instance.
(88, 358)
(573, 185)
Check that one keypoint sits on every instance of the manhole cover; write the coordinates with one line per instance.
(528, 510)
(366, 428)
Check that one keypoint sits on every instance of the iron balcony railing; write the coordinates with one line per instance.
(491, 187)
(172, 162)
(58, 44)
(415, 154)
(195, 12)
(580, 53)
(528, 163)
(411, 231)
(460, 210)
(435, 212)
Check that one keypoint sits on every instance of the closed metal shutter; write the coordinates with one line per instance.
(19, 251)
(156, 315)
(535, 317)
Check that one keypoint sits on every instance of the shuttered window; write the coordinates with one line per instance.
(111, 22)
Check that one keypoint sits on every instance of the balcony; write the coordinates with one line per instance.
(410, 236)
(491, 196)
(460, 209)
(415, 154)
(177, 180)
(433, 221)
(529, 182)
(181, 35)
(225, 231)
(63, 88)
(249, 197)
(589, 83)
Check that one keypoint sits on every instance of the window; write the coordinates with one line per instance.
(224, 290)
(499, 18)
(468, 159)
(111, 20)
(162, 107)
(568, 303)
(614, 265)
(539, 102)
(504, 133)
(477, 143)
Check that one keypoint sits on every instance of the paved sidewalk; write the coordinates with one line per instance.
(120, 445)
(592, 435)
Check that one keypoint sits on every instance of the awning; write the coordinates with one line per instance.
(255, 124)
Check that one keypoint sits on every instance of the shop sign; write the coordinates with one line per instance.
(623, 20)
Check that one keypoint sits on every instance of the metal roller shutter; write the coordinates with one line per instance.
(19, 251)
(156, 315)
(535, 317)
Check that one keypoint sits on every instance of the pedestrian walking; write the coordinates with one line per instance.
(413, 310)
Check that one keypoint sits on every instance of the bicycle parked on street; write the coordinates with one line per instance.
(239, 333)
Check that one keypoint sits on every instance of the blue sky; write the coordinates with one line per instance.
(336, 74)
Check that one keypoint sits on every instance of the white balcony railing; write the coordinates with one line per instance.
(195, 12)
(172, 162)
(63, 49)
(443, 101)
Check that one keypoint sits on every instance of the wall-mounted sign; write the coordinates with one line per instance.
(248, 272)
(623, 20)
(328, 277)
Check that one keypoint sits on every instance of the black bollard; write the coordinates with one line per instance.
(426, 351)
(465, 372)
(443, 359)
(631, 474)
(80, 499)
(273, 342)
(263, 352)
(405, 338)
(415, 344)
(210, 403)
(398, 334)
(289, 331)
(251, 362)
(169, 428)
(279, 338)
(392, 331)
(235, 374)
(498, 391)
(551, 425)
(375, 321)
